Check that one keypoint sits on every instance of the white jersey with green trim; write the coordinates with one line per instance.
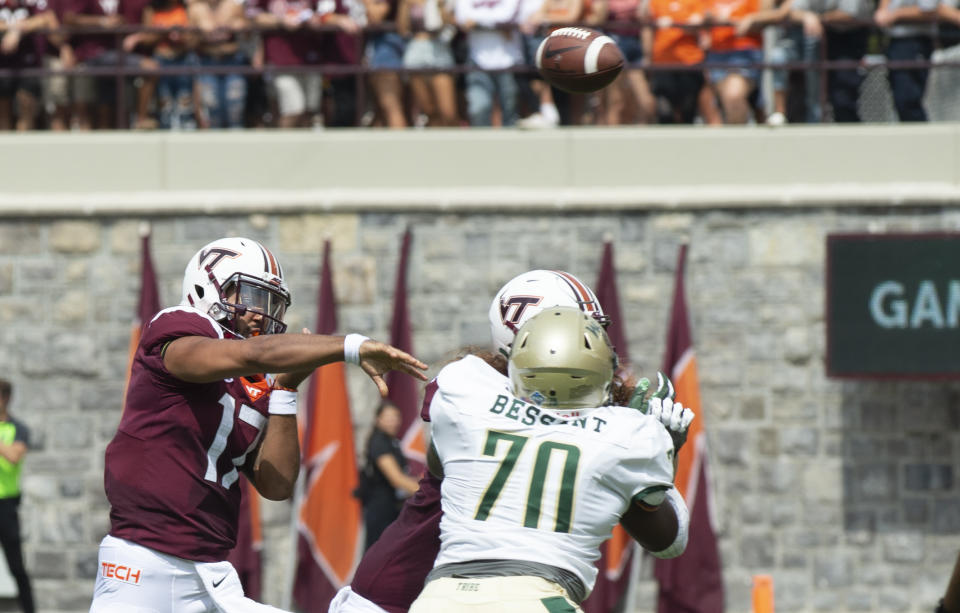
(542, 485)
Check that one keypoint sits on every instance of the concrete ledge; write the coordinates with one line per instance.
(164, 203)
(642, 167)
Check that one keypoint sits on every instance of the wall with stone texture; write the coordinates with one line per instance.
(847, 492)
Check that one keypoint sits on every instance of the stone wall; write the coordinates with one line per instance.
(845, 491)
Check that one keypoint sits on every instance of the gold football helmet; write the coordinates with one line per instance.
(562, 358)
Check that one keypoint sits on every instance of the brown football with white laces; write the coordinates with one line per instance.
(579, 60)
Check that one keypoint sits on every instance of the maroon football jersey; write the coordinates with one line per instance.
(170, 471)
(392, 572)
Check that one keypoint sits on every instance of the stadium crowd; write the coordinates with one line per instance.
(196, 64)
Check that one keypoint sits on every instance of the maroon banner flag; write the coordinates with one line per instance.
(404, 389)
(616, 555)
(691, 582)
(148, 304)
(329, 518)
(247, 555)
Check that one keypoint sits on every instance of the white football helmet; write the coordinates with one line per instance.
(529, 293)
(230, 276)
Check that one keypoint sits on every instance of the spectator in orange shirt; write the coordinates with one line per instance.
(675, 45)
(176, 100)
(735, 84)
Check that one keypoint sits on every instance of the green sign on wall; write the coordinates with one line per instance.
(893, 305)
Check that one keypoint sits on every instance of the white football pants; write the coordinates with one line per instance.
(348, 601)
(136, 579)
(493, 595)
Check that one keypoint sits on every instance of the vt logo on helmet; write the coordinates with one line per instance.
(529, 293)
(233, 277)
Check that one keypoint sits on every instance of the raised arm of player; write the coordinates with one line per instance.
(199, 359)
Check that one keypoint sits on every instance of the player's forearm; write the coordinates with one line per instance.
(293, 352)
(203, 360)
(278, 462)
(655, 530)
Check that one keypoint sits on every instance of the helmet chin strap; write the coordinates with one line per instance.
(225, 316)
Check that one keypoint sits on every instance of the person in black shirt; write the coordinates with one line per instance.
(384, 482)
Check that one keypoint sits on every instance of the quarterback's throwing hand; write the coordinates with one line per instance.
(674, 417)
(377, 359)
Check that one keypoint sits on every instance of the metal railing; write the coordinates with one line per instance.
(122, 72)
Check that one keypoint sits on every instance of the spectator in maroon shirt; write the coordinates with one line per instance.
(341, 47)
(103, 50)
(298, 93)
(57, 55)
(19, 96)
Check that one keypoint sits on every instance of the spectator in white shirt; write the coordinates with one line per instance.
(494, 47)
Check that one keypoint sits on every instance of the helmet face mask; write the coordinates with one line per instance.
(244, 293)
(531, 292)
(562, 358)
(232, 277)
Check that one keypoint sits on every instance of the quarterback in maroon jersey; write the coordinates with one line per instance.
(392, 572)
(199, 411)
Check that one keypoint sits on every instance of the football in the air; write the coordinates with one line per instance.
(579, 60)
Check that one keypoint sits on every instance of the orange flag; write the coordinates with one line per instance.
(691, 582)
(329, 520)
(149, 303)
(616, 555)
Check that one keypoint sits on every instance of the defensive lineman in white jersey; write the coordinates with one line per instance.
(537, 470)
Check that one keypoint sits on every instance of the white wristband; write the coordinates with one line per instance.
(282, 402)
(351, 347)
